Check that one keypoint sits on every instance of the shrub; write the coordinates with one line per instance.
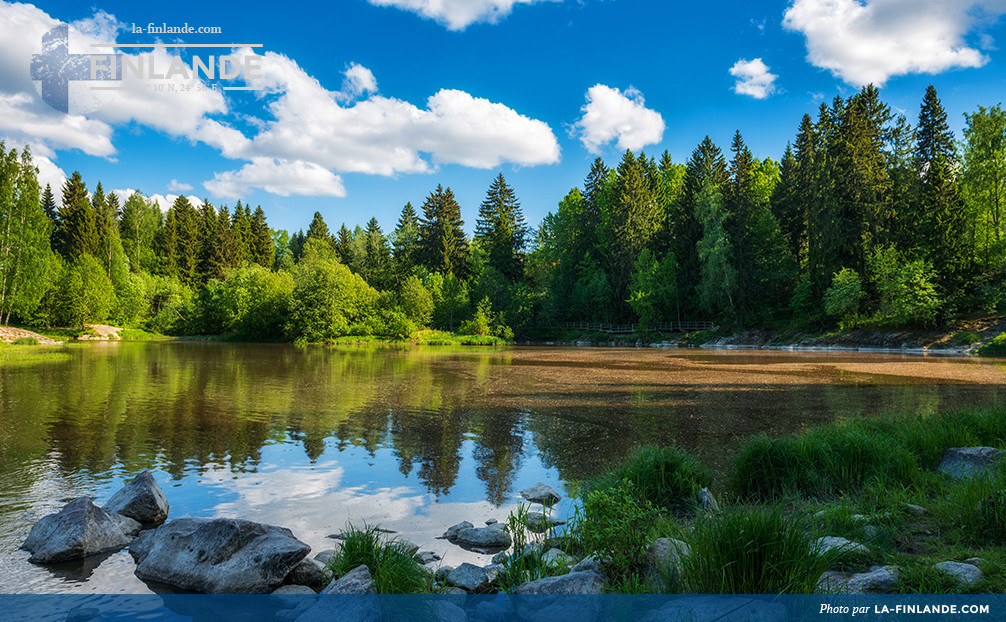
(394, 571)
(617, 524)
(996, 347)
(843, 298)
(25, 341)
(664, 476)
(751, 551)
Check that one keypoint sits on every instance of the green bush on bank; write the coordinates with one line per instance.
(392, 567)
(667, 477)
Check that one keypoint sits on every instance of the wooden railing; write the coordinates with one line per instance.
(628, 329)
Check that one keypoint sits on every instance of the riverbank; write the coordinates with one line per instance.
(963, 338)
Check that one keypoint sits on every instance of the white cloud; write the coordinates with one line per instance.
(278, 177)
(163, 201)
(101, 26)
(176, 186)
(753, 78)
(864, 41)
(359, 81)
(610, 115)
(384, 136)
(458, 14)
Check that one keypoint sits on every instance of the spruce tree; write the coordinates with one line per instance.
(634, 219)
(343, 244)
(49, 204)
(77, 232)
(405, 241)
(501, 229)
(442, 242)
(263, 249)
(318, 230)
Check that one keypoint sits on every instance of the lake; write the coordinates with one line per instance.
(411, 439)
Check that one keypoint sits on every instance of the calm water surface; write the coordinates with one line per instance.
(413, 439)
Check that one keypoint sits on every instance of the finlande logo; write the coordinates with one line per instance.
(60, 73)
(56, 68)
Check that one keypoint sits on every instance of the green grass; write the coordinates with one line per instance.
(394, 571)
(667, 477)
(139, 334)
(24, 355)
(751, 551)
(996, 347)
(25, 341)
(966, 338)
(843, 458)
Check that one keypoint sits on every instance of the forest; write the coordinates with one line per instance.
(866, 220)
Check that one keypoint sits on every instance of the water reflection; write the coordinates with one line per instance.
(415, 439)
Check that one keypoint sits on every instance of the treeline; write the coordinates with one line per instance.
(865, 220)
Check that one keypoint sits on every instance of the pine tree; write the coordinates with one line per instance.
(77, 231)
(343, 244)
(183, 229)
(634, 219)
(943, 227)
(740, 203)
(405, 240)
(378, 256)
(263, 249)
(212, 261)
(49, 204)
(318, 230)
(442, 243)
(501, 229)
(596, 188)
(241, 229)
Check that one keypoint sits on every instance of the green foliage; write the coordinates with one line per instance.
(617, 524)
(666, 477)
(250, 302)
(907, 288)
(966, 338)
(718, 284)
(844, 297)
(83, 293)
(976, 507)
(416, 301)
(394, 571)
(25, 341)
(995, 347)
(751, 551)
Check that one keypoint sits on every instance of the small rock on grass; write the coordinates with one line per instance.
(356, 581)
(966, 575)
(828, 544)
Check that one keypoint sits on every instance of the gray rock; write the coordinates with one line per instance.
(492, 537)
(324, 557)
(573, 583)
(918, 510)
(829, 544)
(488, 612)
(501, 557)
(141, 500)
(557, 557)
(292, 596)
(966, 462)
(442, 573)
(880, 579)
(965, 574)
(589, 563)
(218, 555)
(491, 521)
(664, 559)
(452, 532)
(974, 561)
(307, 572)
(426, 557)
(708, 608)
(470, 578)
(409, 548)
(541, 493)
(356, 581)
(456, 591)
(78, 530)
(708, 501)
(871, 531)
(82, 614)
(539, 522)
(449, 612)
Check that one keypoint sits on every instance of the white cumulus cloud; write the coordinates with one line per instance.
(278, 177)
(458, 14)
(611, 115)
(359, 81)
(176, 186)
(753, 78)
(864, 41)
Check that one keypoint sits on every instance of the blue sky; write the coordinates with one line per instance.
(367, 104)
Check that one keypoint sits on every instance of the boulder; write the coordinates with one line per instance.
(591, 562)
(293, 590)
(967, 575)
(491, 521)
(829, 544)
(471, 578)
(880, 579)
(966, 462)
(918, 510)
(356, 581)
(501, 557)
(452, 532)
(663, 562)
(141, 500)
(539, 522)
(493, 536)
(218, 555)
(324, 557)
(426, 557)
(78, 530)
(708, 501)
(587, 582)
(307, 572)
(558, 557)
(442, 573)
(541, 493)
(409, 548)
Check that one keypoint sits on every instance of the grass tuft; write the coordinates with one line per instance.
(393, 569)
(666, 477)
